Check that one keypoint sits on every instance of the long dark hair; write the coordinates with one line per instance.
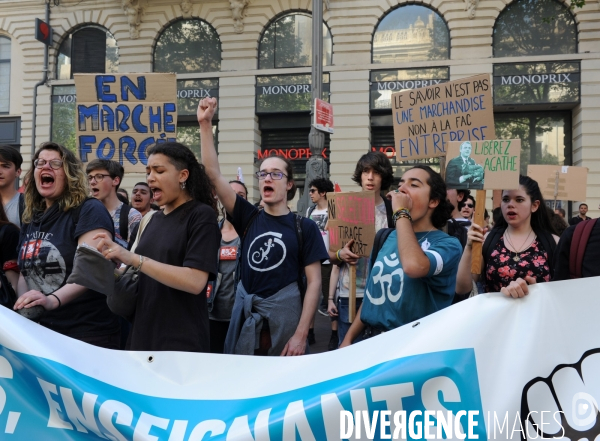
(539, 218)
(437, 191)
(198, 184)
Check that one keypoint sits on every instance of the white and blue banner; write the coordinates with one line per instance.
(490, 367)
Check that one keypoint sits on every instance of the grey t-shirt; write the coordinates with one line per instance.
(224, 286)
(12, 210)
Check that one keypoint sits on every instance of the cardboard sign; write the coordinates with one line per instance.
(483, 165)
(120, 116)
(352, 216)
(323, 116)
(572, 181)
(427, 119)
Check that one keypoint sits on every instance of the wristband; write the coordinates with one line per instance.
(139, 267)
(337, 255)
(56, 297)
(401, 213)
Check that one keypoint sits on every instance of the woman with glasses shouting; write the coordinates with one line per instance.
(58, 217)
(279, 255)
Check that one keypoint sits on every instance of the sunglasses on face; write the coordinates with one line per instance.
(469, 205)
(312, 190)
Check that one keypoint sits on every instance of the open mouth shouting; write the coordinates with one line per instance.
(157, 194)
(95, 192)
(46, 180)
(268, 191)
(511, 214)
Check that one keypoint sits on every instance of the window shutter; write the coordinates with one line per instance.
(89, 51)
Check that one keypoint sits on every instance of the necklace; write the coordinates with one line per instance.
(517, 251)
(425, 245)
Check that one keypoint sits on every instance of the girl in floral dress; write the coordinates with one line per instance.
(518, 251)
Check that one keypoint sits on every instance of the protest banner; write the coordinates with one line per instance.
(560, 182)
(120, 116)
(507, 373)
(352, 217)
(427, 119)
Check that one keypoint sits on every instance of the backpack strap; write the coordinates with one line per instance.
(238, 274)
(380, 239)
(124, 221)
(21, 207)
(389, 212)
(310, 210)
(582, 233)
(301, 274)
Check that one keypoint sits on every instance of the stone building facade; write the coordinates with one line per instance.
(544, 59)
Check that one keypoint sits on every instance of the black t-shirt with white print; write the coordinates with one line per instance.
(46, 253)
(269, 260)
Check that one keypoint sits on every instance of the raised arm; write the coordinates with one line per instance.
(205, 113)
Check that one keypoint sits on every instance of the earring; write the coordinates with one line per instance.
(183, 185)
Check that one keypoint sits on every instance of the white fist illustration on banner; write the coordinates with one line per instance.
(564, 405)
(6, 371)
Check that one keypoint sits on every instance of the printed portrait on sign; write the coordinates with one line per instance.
(462, 172)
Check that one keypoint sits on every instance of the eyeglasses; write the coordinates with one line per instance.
(262, 175)
(97, 177)
(312, 190)
(469, 205)
(55, 164)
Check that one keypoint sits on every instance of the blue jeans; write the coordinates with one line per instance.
(343, 317)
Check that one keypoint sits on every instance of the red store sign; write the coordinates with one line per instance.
(302, 153)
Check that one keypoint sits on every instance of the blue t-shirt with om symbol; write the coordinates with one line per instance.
(393, 299)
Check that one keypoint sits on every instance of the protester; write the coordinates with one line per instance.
(105, 177)
(9, 241)
(561, 212)
(269, 316)
(373, 172)
(579, 259)
(176, 255)
(414, 272)
(583, 209)
(141, 198)
(10, 170)
(222, 297)
(558, 222)
(467, 208)
(59, 217)
(319, 213)
(457, 225)
(519, 249)
(124, 193)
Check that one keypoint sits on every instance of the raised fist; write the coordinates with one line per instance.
(569, 398)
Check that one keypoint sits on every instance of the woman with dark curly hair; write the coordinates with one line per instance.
(414, 273)
(176, 255)
(58, 217)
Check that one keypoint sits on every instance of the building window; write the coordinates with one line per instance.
(287, 42)
(188, 46)
(91, 49)
(411, 33)
(4, 75)
(535, 27)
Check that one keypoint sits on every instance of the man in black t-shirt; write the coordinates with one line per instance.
(268, 301)
(583, 209)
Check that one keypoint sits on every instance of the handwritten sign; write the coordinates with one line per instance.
(483, 165)
(120, 116)
(352, 216)
(571, 184)
(427, 119)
